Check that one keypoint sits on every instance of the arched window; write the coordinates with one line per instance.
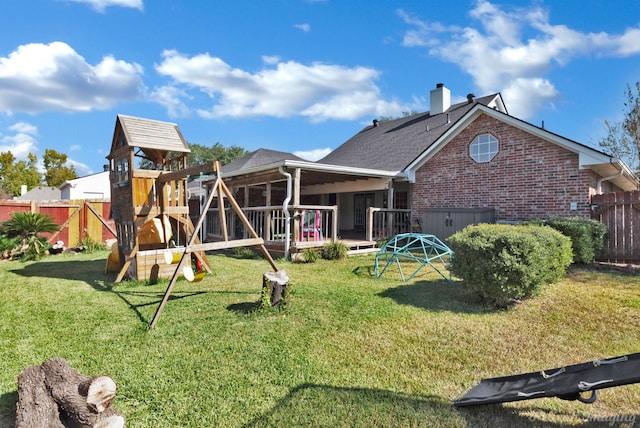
(483, 148)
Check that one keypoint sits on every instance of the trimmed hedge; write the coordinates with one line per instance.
(504, 263)
(588, 236)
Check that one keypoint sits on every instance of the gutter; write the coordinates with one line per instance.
(287, 214)
(313, 166)
(603, 179)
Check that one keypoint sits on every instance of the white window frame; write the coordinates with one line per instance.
(484, 148)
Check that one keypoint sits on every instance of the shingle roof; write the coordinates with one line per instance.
(41, 193)
(393, 144)
(258, 158)
(153, 134)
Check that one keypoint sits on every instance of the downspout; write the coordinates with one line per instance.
(287, 214)
(603, 179)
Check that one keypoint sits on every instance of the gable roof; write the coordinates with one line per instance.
(258, 158)
(148, 135)
(588, 158)
(392, 145)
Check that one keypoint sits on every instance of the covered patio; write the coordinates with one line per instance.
(294, 205)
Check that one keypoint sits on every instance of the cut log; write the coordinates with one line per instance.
(79, 400)
(101, 392)
(36, 407)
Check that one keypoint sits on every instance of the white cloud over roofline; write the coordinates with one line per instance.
(281, 89)
(500, 58)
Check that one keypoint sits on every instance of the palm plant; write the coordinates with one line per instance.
(25, 228)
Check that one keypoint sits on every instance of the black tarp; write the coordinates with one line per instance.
(568, 382)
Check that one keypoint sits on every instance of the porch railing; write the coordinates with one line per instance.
(383, 223)
(308, 223)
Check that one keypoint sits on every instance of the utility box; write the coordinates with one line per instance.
(444, 222)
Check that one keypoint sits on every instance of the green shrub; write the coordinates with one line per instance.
(587, 236)
(503, 263)
(243, 253)
(7, 245)
(92, 245)
(25, 227)
(309, 255)
(334, 250)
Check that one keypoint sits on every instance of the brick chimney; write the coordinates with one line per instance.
(440, 99)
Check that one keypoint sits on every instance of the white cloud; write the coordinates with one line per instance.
(81, 168)
(313, 155)
(286, 89)
(171, 98)
(270, 59)
(53, 77)
(304, 27)
(101, 5)
(21, 142)
(500, 58)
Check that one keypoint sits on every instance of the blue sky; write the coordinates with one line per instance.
(301, 76)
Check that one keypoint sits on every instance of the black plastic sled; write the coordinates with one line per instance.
(567, 383)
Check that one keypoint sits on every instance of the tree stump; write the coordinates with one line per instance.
(275, 289)
(55, 395)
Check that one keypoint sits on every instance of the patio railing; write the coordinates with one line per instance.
(308, 223)
(384, 223)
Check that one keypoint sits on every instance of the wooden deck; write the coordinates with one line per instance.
(356, 246)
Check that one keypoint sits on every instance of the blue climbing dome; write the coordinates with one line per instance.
(414, 247)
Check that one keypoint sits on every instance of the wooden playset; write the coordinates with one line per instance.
(156, 237)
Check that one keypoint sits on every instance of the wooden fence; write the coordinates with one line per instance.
(620, 212)
(78, 218)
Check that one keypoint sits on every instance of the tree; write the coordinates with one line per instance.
(16, 174)
(203, 154)
(57, 171)
(623, 138)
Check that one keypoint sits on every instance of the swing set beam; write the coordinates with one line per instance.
(220, 189)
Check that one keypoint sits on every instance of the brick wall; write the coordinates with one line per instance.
(528, 178)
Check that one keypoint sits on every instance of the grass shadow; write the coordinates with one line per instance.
(364, 271)
(437, 296)
(92, 273)
(8, 409)
(130, 297)
(323, 405)
(89, 271)
(244, 307)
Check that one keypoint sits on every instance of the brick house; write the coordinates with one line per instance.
(435, 171)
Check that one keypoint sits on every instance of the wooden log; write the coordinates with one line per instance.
(71, 390)
(36, 407)
(274, 289)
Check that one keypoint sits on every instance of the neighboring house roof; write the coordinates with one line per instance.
(392, 145)
(258, 158)
(41, 193)
(149, 134)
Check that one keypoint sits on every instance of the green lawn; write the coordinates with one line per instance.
(352, 351)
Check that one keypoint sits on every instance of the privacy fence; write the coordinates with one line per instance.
(620, 212)
(78, 218)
